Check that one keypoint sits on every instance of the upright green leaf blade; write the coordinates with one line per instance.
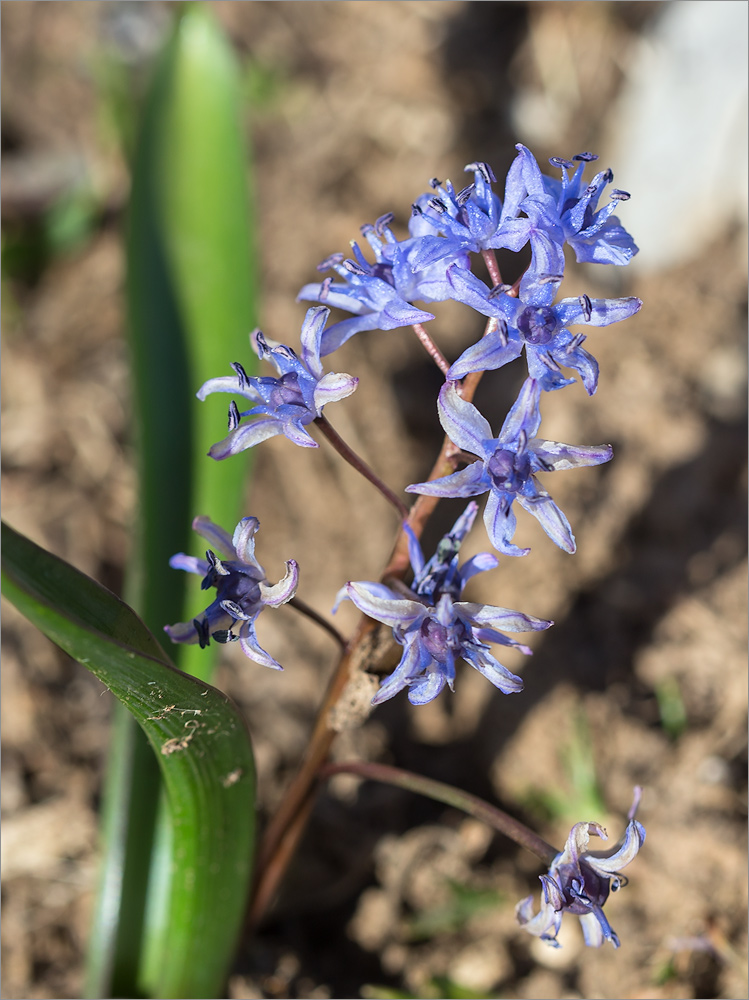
(201, 743)
(191, 301)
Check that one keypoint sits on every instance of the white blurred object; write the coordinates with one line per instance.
(680, 146)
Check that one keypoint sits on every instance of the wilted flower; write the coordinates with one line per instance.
(284, 405)
(242, 589)
(507, 466)
(579, 882)
(434, 627)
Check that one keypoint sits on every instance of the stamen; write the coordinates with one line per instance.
(234, 416)
(382, 223)
(325, 288)
(462, 196)
(559, 161)
(261, 345)
(434, 183)
(587, 307)
(331, 261)
(224, 635)
(354, 268)
(502, 332)
(497, 290)
(438, 205)
(233, 609)
(244, 381)
(484, 169)
(586, 157)
(201, 627)
(618, 195)
(577, 341)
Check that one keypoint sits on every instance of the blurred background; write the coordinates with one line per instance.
(351, 108)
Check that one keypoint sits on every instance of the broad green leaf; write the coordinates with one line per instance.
(200, 742)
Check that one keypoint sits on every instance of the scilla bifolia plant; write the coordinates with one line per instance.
(448, 254)
(179, 808)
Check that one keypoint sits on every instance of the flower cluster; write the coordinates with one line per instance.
(579, 881)
(448, 254)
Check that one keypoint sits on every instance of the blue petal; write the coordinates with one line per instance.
(463, 423)
(469, 482)
(311, 337)
(551, 519)
(488, 354)
(524, 416)
(501, 522)
(397, 612)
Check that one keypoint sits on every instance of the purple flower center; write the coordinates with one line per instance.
(594, 887)
(439, 638)
(537, 324)
(509, 471)
(238, 587)
(286, 391)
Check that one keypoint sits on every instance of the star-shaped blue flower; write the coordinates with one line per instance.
(473, 219)
(579, 882)
(242, 589)
(507, 466)
(435, 628)
(283, 405)
(533, 322)
(381, 295)
(567, 209)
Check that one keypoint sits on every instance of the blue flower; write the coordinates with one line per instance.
(579, 882)
(567, 209)
(507, 466)
(242, 589)
(284, 405)
(533, 322)
(434, 627)
(380, 294)
(473, 219)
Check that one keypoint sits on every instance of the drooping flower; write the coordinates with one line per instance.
(507, 466)
(533, 322)
(242, 589)
(381, 295)
(579, 882)
(283, 405)
(434, 627)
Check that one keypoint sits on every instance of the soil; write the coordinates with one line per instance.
(642, 681)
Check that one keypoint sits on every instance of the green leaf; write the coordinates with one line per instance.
(192, 302)
(199, 739)
(191, 293)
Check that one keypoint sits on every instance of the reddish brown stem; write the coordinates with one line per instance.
(431, 348)
(285, 829)
(360, 465)
(451, 796)
(492, 266)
